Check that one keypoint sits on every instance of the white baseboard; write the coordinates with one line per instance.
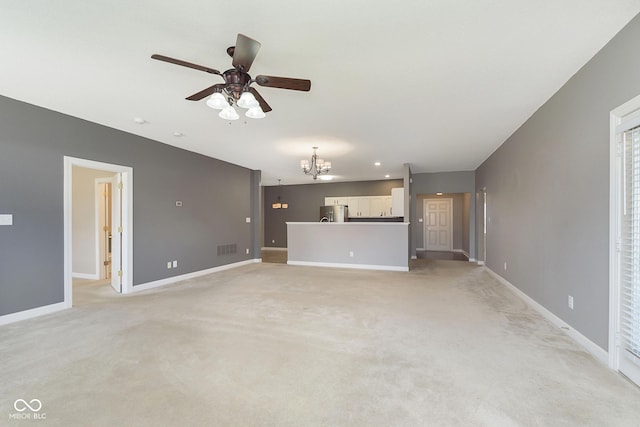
(420, 249)
(594, 349)
(269, 248)
(356, 266)
(479, 262)
(175, 279)
(34, 312)
(85, 276)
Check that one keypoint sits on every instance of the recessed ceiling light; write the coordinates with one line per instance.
(139, 120)
(326, 177)
(178, 134)
(376, 164)
(438, 194)
(387, 176)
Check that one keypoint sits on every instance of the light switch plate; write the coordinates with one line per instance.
(248, 219)
(6, 219)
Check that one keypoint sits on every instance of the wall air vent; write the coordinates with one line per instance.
(227, 249)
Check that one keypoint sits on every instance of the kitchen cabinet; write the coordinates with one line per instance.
(365, 206)
(359, 206)
(380, 206)
(330, 201)
(397, 201)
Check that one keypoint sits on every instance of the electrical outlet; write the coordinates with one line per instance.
(247, 219)
(505, 266)
(168, 264)
(175, 264)
(350, 253)
(247, 251)
(570, 302)
(273, 241)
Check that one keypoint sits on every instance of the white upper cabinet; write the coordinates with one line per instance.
(359, 206)
(366, 206)
(330, 201)
(397, 201)
(380, 206)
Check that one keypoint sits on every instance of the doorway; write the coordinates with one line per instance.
(438, 224)
(104, 227)
(624, 241)
(120, 238)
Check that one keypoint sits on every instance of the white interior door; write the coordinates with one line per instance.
(438, 228)
(116, 234)
(104, 213)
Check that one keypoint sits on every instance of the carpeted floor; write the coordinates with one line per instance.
(279, 345)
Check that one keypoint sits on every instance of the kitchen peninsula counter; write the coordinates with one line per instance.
(364, 245)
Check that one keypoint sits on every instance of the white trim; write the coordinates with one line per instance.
(355, 266)
(192, 275)
(595, 350)
(34, 312)
(273, 249)
(479, 262)
(127, 221)
(616, 119)
(85, 276)
(414, 257)
(420, 249)
(472, 259)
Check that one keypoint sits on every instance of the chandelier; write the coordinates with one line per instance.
(316, 166)
(278, 204)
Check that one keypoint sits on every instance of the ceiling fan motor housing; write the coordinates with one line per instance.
(236, 82)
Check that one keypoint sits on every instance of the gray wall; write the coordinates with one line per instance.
(305, 200)
(441, 182)
(215, 195)
(548, 191)
(373, 245)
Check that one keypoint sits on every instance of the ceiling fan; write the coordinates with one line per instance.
(237, 81)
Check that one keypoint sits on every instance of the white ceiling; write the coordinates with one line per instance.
(437, 84)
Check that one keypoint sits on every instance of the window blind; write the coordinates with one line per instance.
(630, 245)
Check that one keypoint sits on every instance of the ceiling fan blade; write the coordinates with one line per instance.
(284, 83)
(184, 63)
(263, 104)
(245, 52)
(206, 92)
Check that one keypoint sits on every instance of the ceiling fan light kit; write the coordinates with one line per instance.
(236, 88)
(255, 113)
(228, 113)
(217, 101)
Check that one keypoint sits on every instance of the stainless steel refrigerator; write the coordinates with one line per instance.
(335, 213)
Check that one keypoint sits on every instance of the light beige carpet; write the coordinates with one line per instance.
(278, 345)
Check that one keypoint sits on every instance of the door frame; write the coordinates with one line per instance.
(424, 223)
(127, 221)
(483, 232)
(615, 197)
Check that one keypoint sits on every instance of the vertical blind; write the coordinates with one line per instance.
(630, 244)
